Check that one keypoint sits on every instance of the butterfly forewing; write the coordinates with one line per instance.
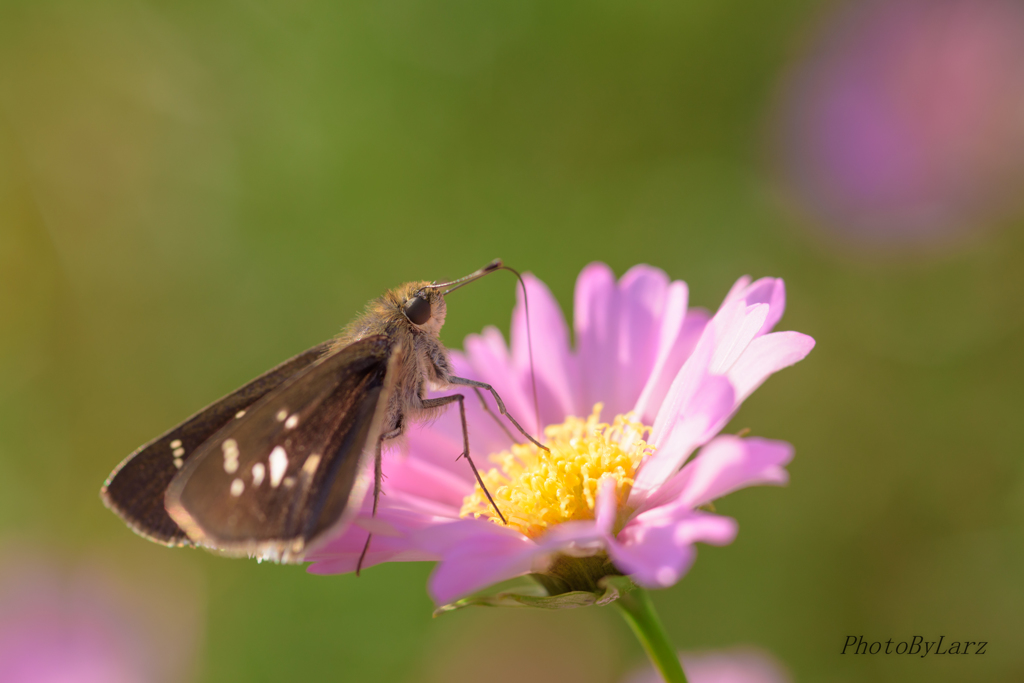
(272, 482)
(135, 489)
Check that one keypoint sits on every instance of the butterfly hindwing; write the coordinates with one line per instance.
(135, 489)
(272, 482)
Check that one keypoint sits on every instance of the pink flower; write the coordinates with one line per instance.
(740, 665)
(902, 124)
(615, 497)
(86, 626)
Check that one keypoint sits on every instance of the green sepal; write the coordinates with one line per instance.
(532, 593)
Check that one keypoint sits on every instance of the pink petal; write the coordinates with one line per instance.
(701, 417)
(577, 539)
(723, 341)
(439, 443)
(485, 431)
(736, 665)
(729, 463)
(382, 549)
(675, 342)
(474, 554)
(553, 364)
(657, 551)
(767, 355)
(733, 331)
(440, 440)
(767, 290)
(492, 364)
(771, 291)
(424, 479)
(723, 344)
(653, 559)
(394, 541)
(738, 290)
(682, 389)
(607, 504)
(726, 464)
(641, 297)
(596, 301)
(620, 330)
(699, 526)
(724, 338)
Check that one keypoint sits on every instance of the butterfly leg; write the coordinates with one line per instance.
(487, 409)
(443, 401)
(501, 405)
(378, 477)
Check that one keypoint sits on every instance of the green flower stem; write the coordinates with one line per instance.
(639, 613)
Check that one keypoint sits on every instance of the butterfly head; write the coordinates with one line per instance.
(422, 305)
(418, 307)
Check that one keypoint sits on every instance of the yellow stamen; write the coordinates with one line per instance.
(536, 489)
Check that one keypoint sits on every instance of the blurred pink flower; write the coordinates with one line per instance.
(905, 122)
(615, 492)
(740, 665)
(81, 629)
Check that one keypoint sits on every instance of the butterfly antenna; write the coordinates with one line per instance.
(529, 343)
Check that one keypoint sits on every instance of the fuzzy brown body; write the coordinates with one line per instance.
(421, 361)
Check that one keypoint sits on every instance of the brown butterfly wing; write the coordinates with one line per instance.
(135, 489)
(273, 482)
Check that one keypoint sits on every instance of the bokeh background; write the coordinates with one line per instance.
(192, 191)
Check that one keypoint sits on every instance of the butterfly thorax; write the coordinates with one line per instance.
(420, 360)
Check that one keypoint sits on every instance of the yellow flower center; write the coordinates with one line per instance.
(536, 489)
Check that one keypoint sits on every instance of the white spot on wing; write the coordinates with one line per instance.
(230, 448)
(257, 474)
(292, 422)
(240, 413)
(178, 463)
(312, 462)
(282, 414)
(176, 443)
(237, 486)
(278, 465)
(289, 482)
(178, 452)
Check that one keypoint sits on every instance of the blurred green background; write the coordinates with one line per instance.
(192, 191)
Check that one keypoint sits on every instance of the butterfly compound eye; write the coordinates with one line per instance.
(417, 309)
